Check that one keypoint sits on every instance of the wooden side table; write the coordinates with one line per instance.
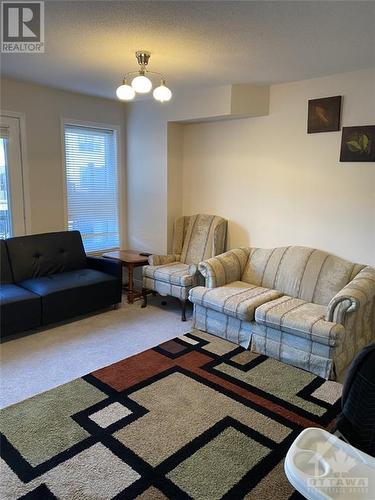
(129, 259)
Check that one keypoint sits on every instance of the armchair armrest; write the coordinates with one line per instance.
(355, 295)
(159, 260)
(104, 265)
(224, 268)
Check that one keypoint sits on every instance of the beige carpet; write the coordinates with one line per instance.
(40, 361)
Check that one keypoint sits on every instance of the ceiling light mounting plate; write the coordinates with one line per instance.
(142, 57)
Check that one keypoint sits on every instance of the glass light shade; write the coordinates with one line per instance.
(162, 93)
(125, 92)
(141, 84)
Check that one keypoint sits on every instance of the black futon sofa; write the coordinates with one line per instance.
(46, 278)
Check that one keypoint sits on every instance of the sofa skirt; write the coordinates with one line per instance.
(222, 325)
(328, 362)
(297, 351)
(288, 348)
(164, 289)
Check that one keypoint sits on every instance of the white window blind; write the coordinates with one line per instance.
(92, 186)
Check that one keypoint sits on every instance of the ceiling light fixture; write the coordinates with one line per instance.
(141, 84)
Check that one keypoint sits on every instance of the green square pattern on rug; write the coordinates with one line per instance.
(233, 455)
(42, 426)
(279, 379)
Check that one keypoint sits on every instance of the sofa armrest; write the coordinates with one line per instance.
(224, 268)
(339, 306)
(355, 295)
(159, 260)
(354, 308)
(105, 265)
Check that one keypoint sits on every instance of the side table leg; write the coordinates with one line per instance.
(131, 285)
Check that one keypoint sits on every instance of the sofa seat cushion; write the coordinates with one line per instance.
(300, 318)
(175, 273)
(60, 282)
(11, 293)
(73, 293)
(237, 299)
(20, 309)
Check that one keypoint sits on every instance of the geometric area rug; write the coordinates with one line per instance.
(196, 417)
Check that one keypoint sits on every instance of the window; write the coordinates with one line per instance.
(92, 186)
(12, 192)
(5, 215)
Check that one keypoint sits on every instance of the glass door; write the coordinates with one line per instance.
(12, 209)
(5, 216)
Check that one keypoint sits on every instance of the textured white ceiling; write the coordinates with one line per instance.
(91, 44)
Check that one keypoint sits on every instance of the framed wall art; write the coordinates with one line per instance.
(324, 115)
(358, 143)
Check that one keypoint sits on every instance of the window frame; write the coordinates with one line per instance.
(116, 129)
(21, 118)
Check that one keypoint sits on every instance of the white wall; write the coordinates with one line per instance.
(278, 185)
(43, 108)
(146, 179)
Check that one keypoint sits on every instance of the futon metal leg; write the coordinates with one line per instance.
(144, 296)
(183, 309)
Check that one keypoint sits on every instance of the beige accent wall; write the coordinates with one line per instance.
(277, 184)
(43, 108)
(174, 177)
(154, 154)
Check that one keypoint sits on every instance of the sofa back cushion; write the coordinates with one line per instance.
(304, 273)
(43, 254)
(5, 270)
(205, 238)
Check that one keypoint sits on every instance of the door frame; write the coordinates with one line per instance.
(21, 117)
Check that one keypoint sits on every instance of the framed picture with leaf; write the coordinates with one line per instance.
(358, 143)
(324, 114)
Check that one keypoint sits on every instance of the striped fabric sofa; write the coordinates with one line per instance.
(300, 305)
(195, 238)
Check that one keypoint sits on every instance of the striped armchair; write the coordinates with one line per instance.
(195, 238)
(300, 305)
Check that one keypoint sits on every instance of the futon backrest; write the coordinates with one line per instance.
(44, 254)
(300, 272)
(205, 237)
(5, 270)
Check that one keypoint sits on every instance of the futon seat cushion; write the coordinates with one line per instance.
(237, 299)
(73, 293)
(175, 273)
(10, 293)
(20, 309)
(65, 281)
(300, 318)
